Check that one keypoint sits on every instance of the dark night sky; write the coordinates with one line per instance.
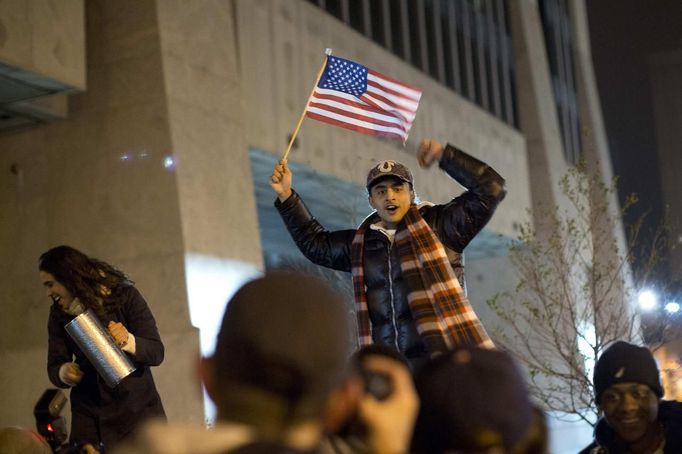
(624, 34)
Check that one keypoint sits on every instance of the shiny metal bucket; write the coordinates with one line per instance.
(112, 364)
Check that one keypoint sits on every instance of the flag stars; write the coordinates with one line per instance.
(345, 76)
(362, 115)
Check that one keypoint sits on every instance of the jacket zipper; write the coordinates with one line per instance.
(390, 291)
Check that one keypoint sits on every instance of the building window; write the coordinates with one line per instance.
(556, 24)
(463, 44)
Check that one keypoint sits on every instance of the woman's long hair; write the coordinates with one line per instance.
(92, 281)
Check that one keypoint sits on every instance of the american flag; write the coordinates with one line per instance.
(355, 97)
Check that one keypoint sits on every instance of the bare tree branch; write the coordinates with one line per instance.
(572, 296)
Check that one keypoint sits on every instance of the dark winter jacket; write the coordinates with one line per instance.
(100, 413)
(669, 414)
(455, 223)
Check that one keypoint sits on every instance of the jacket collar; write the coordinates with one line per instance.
(669, 414)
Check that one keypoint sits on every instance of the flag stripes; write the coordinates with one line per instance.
(354, 97)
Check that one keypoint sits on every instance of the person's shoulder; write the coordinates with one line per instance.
(671, 405)
(670, 414)
(425, 207)
(58, 316)
(269, 447)
(593, 448)
(670, 408)
(124, 297)
(160, 437)
(670, 411)
(432, 212)
(127, 291)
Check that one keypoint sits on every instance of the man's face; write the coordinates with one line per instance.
(55, 290)
(391, 197)
(631, 410)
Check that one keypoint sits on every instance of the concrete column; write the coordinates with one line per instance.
(99, 181)
(610, 244)
(536, 107)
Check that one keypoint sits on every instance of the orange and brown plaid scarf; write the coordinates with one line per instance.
(442, 313)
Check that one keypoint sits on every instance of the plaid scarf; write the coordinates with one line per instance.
(443, 315)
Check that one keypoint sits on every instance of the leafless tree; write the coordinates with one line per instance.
(574, 291)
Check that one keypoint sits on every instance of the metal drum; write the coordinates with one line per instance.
(111, 362)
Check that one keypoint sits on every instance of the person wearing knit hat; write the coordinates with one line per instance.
(628, 392)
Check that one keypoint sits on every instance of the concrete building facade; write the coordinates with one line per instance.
(177, 111)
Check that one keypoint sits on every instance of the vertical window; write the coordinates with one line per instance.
(397, 29)
(451, 53)
(466, 41)
(414, 34)
(463, 44)
(378, 17)
(356, 15)
(556, 24)
(433, 15)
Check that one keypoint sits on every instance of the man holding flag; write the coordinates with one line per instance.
(405, 259)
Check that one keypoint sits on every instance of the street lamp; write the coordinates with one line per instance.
(672, 307)
(648, 300)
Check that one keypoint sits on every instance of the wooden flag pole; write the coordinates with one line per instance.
(328, 52)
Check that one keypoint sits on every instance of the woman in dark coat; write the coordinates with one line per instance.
(100, 414)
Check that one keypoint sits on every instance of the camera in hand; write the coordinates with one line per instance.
(52, 425)
(377, 384)
(49, 421)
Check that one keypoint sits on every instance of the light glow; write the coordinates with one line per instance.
(169, 162)
(211, 282)
(672, 307)
(587, 338)
(648, 300)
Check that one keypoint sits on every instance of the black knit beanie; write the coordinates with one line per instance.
(624, 363)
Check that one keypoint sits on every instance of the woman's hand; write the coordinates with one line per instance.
(118, 332)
